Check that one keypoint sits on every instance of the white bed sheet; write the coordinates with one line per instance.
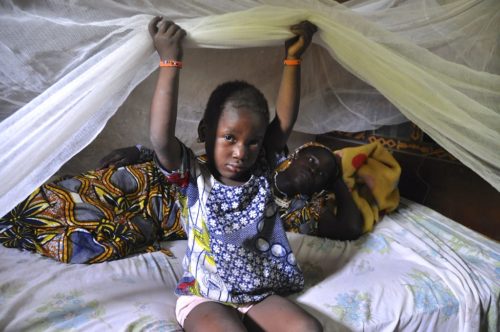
(417, 271)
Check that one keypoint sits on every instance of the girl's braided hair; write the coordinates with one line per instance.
(239, 94)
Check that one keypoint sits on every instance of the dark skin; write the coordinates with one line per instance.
(120, 157)
(309, 172)
(312, 170)
(347, 224)
(235, 142)
(167, 38)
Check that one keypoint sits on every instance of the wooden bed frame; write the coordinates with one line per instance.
(437, 180)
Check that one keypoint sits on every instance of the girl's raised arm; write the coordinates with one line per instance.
(287, 104)
(167, 38)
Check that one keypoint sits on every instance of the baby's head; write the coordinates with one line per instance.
(233, 128)
(311, 169)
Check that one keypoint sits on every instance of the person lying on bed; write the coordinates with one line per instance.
(360, 189)
(339, 195)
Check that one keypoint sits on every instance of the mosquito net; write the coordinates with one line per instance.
(68, 66)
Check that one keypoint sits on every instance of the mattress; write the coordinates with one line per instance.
(417, 271)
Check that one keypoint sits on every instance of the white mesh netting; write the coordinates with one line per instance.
(67, 67)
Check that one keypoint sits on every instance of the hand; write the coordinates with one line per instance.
(121, 157)
(297, 45)
(167, 38)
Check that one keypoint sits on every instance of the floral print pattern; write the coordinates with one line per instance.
(410, 274)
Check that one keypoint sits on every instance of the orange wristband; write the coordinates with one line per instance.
(171, 63)
(292, 62)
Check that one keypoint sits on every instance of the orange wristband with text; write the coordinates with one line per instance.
(171, 63)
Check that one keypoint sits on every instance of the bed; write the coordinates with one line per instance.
(417, 271)
(425, 267)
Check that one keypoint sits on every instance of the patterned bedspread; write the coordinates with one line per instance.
(417, 271)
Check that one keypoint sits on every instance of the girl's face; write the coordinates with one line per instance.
(309, 172)
(238, 139)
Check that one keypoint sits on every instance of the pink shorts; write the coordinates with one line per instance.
(186, 303)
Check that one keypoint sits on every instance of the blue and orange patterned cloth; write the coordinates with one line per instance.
(95, 216)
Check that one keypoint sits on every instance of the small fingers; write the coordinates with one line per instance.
(311, 27)
(169, 28)
(159, 25)
(304, 28)
(304, 32)
(164, 25)
(180, 33)
(177, 32)
(153, 25)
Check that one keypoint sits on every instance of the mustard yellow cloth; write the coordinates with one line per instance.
(372, 174)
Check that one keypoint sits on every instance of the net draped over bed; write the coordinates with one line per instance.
(66, 67)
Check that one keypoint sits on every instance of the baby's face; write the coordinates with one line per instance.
(310, 171)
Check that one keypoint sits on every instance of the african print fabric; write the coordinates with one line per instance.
(238, 251)
(302, 214)
(96, 216)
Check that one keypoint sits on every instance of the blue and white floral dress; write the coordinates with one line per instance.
(238, 251)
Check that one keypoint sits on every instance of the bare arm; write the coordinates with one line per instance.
(121, 157)
(287, 103)
(167, 37)
(348, 223)
(126, 156)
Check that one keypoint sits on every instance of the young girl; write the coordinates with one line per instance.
(238, 260)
